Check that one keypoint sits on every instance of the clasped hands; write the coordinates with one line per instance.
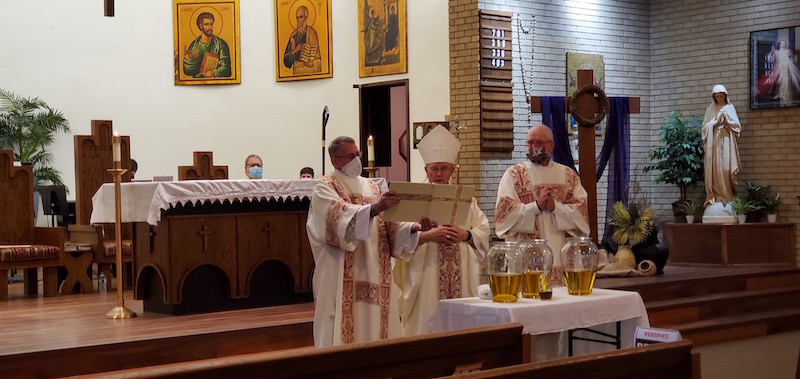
(545, 201)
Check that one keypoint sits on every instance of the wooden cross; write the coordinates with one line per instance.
(266, 230)
(205, 233)
(586, 136)
(202, 168)
(108, 8)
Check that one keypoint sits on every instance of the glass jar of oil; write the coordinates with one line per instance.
(537, 266)
(504, 267)
(579, 259)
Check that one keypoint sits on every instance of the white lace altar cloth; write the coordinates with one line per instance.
(143, 202)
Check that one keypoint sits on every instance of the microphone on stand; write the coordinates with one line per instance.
(325, 116)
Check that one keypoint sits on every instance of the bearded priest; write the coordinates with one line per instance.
(540, 198)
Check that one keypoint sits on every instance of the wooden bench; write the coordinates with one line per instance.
(432, 355)
(665, 360)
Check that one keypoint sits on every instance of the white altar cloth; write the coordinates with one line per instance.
(546, 320)
(143, 202)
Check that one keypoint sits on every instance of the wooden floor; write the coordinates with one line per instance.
(37, 328)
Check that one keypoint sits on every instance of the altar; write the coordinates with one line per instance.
(210, 245)
(610, 316)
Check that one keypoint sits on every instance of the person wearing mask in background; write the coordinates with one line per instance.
(253, 167)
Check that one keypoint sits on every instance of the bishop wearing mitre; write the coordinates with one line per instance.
(447, 262)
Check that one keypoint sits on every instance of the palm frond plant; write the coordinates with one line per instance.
(631, 223)
(28, 127)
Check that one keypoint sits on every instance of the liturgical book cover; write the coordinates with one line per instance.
(446, 204)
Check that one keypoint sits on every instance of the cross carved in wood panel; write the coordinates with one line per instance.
(267, 230)
(205, 232)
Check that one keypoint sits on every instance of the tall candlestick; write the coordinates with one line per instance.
(117, 151)
(370, 149)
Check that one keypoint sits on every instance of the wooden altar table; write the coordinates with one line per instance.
(216, 244)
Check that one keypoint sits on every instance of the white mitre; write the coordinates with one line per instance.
(439, 145)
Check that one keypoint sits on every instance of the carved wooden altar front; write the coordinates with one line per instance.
(225, 255)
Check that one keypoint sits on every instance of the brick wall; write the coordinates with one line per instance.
(698, 44)
(464, 86)
(668, 53)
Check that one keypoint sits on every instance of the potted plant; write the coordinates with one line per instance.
(28, 127)
(771, 204)
(690, 207)
(632, 224)
(740, 208)
(679, 156)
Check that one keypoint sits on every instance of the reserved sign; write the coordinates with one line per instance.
(647, 336)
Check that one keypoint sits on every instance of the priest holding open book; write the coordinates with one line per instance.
(353, 249)
(447, 262)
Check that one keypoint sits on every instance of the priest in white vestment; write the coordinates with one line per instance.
(448, 259)
(540, 198)
(721, 128)
(353, 248)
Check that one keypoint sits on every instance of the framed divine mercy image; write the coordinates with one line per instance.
(774, 70)
(206, 38)
(303, 40)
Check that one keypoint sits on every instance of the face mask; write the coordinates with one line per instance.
(353, 168)
(538, 155)
(255, 172)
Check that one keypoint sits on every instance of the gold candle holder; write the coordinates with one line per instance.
(119, 312)
(371, 169)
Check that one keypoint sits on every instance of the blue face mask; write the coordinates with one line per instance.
(254, 172)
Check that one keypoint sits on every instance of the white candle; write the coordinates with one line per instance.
(370, 149)
(117, 150)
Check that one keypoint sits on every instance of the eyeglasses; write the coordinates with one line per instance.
(349, 157)
(537, 142)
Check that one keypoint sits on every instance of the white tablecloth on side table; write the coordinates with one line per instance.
(600, 311)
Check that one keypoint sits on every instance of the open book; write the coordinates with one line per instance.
(443, 203)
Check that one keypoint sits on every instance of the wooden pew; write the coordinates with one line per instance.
(438, 354)
(664, 360)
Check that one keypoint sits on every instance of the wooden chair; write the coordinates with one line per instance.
(432, 355)
(664, 360)
(21, 244)
(202, 168)
(93, 158)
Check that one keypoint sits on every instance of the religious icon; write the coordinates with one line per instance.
(774, 70)
(382, 46)
(303, 43)
(206, 36)
(583, 61)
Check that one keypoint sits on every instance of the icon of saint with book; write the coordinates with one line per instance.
(207, 56)
(302, 53)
